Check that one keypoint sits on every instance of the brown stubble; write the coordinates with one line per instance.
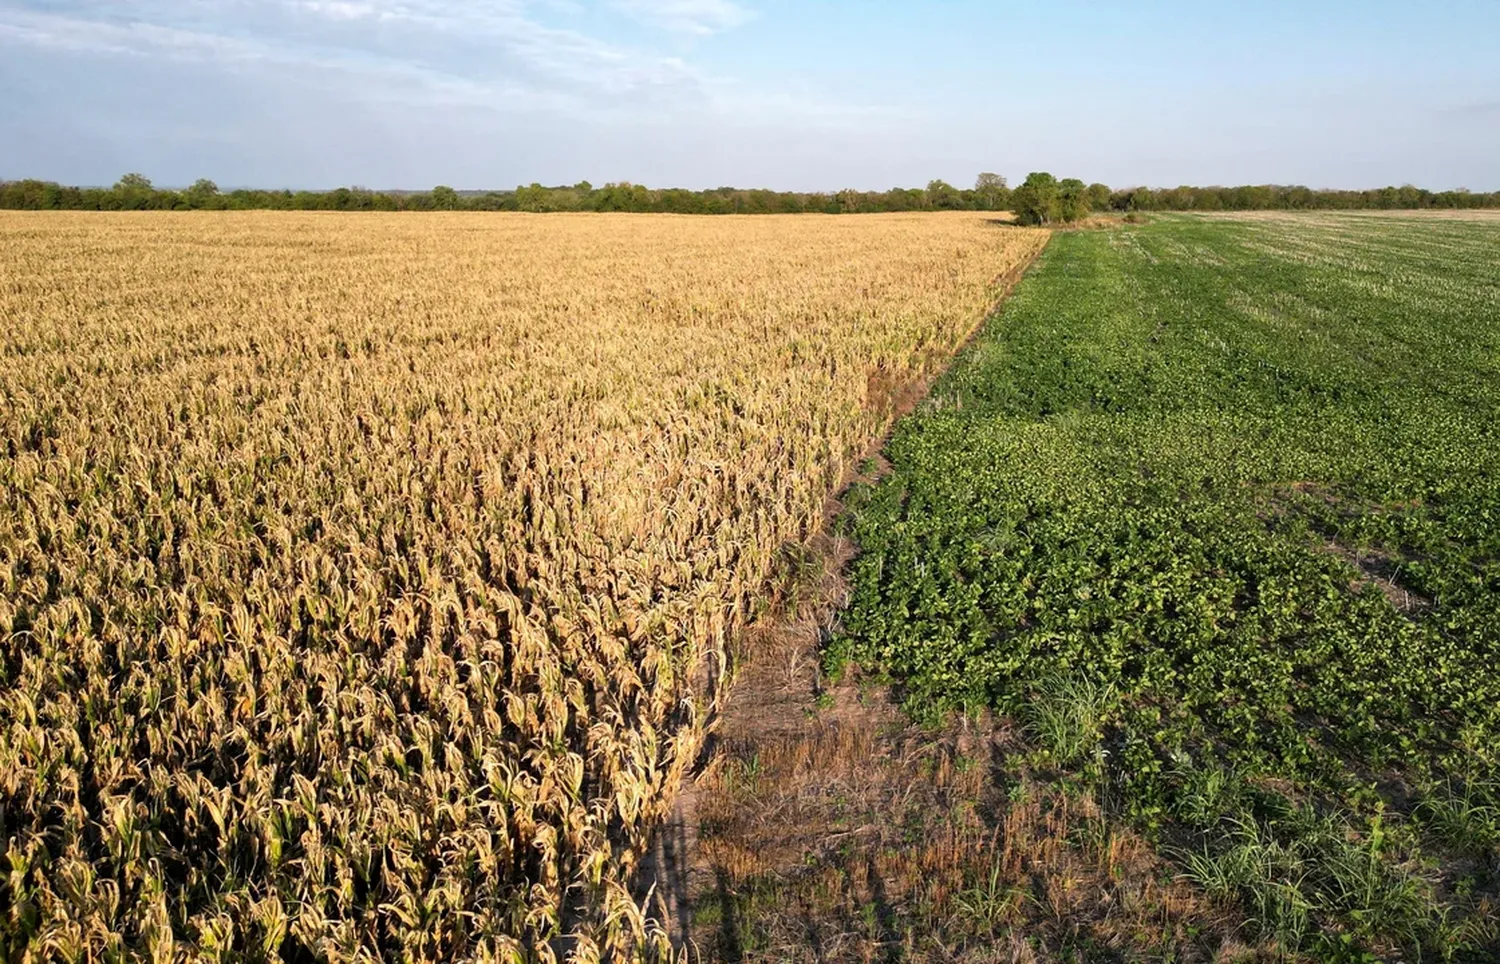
(827, 827)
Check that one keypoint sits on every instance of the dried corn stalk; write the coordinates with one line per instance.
(356, 571)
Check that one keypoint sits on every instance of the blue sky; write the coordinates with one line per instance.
(794, 95)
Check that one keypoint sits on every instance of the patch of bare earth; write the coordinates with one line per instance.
(1382, 571)
(1378, 569)
(822, 825)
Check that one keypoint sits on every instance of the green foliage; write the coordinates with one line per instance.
(134, 192)
(1036, 200)
(1043, 199)
(204, 194)
(1212, 508)
(1066, 715)
(942, 196)
(1072, 200)
(989, 193)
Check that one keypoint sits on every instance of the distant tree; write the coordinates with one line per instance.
(623, 196)
(361, 199)
(991, 192)
(532, 197)
(203, 194)
(905, 199)
(1041, 200)
(1411, 196)
(1036, 201)
(1141, 199)
(1209, 199)
(133, 192)
(678, 201)
(943, 196)
(1072, 200)
(1255, 197)
(31, 195)
(1299, 198)
(1174, 199)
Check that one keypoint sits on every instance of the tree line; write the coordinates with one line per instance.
(1041, 199)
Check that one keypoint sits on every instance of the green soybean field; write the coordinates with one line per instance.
(1212, 510)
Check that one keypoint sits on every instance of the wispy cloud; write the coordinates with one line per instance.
(398, 92)
(490, 51)
(127, 38)
(514, 56)
(700, 17)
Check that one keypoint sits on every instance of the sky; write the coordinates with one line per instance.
(786, 94)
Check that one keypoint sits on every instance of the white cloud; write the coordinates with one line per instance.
(341, 10)
(70, 33)
(487, 53)
(396, 92)
(686, 16)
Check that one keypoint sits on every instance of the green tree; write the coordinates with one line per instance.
(991, 192)
(1098, 197)
(1072, 200)
(1141, 199)
(1036, 200)
(444, 198)
(533, 198)
(943, 196)
(133, 192)
(204, 194)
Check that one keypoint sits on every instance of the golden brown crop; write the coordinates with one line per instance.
(359, 575)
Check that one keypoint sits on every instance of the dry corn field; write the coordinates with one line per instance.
(365, 580)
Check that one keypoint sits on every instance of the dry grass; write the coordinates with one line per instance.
(834, 830)
(365, 581)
